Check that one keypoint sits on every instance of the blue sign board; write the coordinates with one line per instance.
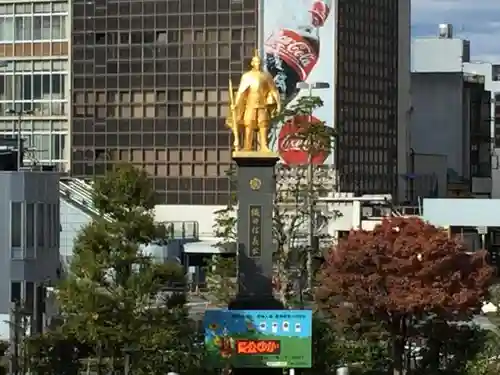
(258, 338)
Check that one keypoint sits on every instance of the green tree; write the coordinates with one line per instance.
(117, 299)
(221, 279)
(493, 306)
(487, 361)
(55, 352)
(314, 135)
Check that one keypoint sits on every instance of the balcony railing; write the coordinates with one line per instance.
(183, 230)
(79, 193)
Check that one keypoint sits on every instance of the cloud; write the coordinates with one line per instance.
(477, 21)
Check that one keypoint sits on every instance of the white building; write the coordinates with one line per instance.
(34, 77)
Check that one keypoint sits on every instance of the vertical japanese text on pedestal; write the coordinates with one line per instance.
(255, 231)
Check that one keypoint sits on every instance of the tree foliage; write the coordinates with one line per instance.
(315, 136)
(400, 274)
(221, 279)
(332, 348)
(56, 352)
(486, 361)
(117, 299)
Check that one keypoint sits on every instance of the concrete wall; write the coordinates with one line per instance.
(72, 221)
(404, 92)
(430, 175)
(29, 206)
(430, 55)
(437, 121)
(462, 212)
(5, 255)
(31, 188)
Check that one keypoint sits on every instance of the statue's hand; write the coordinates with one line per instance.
(278, 109)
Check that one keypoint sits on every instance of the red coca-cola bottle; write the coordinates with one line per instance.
(292, 53)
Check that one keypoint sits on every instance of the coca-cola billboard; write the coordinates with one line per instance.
(299, 40)
(296, 147)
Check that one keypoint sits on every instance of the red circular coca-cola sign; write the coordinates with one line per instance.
(293, 148)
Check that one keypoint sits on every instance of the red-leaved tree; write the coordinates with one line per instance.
(403, 272)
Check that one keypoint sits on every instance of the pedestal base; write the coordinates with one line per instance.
(265, 302)
(256, 155)
(256, 190)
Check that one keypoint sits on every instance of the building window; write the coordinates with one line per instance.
(38, 86)
(58, 147)
(47, 139)
(30, 225)
(6, 28)
(29, 297)
(15, 291)
(40, 224)
(16, 224)
(55, 224)
(33, 22)
(51, 225)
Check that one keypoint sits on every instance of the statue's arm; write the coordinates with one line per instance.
(273, 89)
(244, 83)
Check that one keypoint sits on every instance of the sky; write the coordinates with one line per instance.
(475, 20)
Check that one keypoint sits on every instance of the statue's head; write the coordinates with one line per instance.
(255, 63)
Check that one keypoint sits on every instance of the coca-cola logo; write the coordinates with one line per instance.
(295, 148)
(295, 142)
(301, 50)
(295, 50)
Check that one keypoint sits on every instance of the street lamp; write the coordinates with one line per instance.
(312, 86)
(310, 185)
(17, 129)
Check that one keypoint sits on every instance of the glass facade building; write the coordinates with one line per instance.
(150, 86)
(150, 83)
(367, 96)
(34, 77)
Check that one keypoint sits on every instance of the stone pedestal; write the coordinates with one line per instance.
(256, 189)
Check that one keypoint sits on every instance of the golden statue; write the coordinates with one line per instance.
(256, 102)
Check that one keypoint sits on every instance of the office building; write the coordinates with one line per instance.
(372, 96)
(491, 74)
(29, 237)
(451, 114)
(150, 86)
(34, 70)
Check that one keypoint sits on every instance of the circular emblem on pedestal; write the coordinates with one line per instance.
(255, 183)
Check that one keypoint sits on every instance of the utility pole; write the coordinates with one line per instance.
(16, 124)
(18, 112)
(18, 327)
(310, 187)
(18, 130)
(16, 339)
